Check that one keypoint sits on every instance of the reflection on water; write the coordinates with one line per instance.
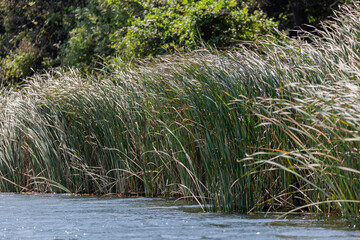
(74, 217)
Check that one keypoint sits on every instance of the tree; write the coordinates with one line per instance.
(293, 13)
(31, 33)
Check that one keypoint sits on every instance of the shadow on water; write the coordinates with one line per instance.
(86, 217)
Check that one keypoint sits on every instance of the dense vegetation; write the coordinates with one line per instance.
(36, 35)
(272, 128)
(30, 35)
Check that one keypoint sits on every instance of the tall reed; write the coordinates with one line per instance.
(274, 128)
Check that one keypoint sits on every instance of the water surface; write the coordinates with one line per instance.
(79, 217)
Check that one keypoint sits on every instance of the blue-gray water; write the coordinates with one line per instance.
(74, 217)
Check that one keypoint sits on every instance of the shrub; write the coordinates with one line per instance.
(31, 33)
(170, 25)
(21, 63)
(90, 42)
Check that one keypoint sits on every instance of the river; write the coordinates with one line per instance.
(56, 216)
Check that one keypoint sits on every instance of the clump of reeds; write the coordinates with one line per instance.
(275, 128)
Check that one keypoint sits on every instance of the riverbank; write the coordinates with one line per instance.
(268, 129)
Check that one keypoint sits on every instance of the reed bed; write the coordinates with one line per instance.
(275, 128)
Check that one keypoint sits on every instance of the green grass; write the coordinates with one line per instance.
(276, 128)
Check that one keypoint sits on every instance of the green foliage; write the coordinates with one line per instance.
(87, 33)
(90, 42)
(134, 28)
(21, 63)
(32, 31)
(171, 25)
(283, 10)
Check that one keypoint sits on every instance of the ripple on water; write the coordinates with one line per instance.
(84, 217)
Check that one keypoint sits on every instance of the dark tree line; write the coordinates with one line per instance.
(293, 13)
